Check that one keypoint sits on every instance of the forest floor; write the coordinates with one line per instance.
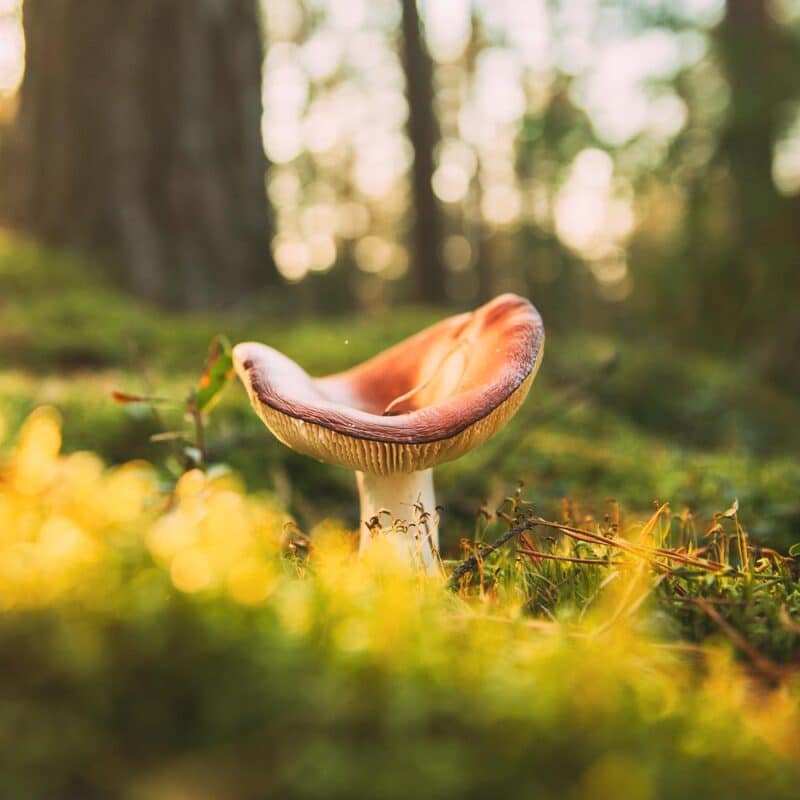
(171, 635)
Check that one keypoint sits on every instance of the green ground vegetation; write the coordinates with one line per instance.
(169, 633)
(608, 417)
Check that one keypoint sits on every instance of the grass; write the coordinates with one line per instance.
(168, 636)
(698, 585)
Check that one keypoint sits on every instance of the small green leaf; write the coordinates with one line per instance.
(794, 550)
(216, 375)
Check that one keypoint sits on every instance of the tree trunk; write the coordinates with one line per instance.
(427, 267)
(138, 140)
(760, 265)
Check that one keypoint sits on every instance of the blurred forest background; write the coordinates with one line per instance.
(631, 164)
(293, 169)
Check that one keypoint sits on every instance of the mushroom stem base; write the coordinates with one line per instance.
(412, 519)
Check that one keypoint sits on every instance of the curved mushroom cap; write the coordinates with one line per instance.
(428, 399)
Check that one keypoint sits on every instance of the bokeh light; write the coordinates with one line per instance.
(12, 47)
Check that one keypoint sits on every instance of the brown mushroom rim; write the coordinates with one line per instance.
(430, 387)
(386, 458)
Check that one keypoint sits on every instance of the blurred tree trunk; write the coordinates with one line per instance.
(138, 139)
(480, 235)
(749, 284)
(427, 267)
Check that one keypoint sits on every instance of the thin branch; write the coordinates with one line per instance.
(426, 381)
(200, 439)
(601, 562)
(637, 549)
(471, 564)
(766, 667)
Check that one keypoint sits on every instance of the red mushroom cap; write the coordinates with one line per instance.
(428, 399)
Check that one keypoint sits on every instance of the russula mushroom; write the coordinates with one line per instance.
(424, 401)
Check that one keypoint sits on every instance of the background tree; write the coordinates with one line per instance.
(762, 250)
(423, 134)
(138, 139)
(724, 280)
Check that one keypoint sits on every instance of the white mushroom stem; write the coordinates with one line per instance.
(403, 507)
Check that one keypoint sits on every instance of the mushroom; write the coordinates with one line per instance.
(424, 401)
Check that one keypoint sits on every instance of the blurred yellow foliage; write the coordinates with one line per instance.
(63, 516)
(67, 520)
